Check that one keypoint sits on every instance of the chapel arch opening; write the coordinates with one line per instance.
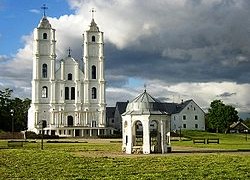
(137, 136)
(155, 136)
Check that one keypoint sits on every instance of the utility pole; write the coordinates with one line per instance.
(44, 124)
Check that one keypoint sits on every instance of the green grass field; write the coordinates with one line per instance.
(104, 160)
(227, 141)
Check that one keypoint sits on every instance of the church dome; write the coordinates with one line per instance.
(145, 104)
(44, 23)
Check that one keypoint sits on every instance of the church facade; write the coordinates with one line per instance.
(70, 99)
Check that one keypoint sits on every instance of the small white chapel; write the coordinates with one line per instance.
(70, 99)
(145, 126)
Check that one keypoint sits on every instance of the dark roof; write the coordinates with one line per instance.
(235, 124)
(110, 111)
(170, 108)
(121, 106)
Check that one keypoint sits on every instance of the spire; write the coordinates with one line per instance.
(93, 25)
(44, 7)
(44, 23)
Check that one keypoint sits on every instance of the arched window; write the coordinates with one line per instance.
(70, 121)
(66, 93)
(69, 76)
(93, 38)
(72, 92)
(93, 72)
(44, 92)
(45, 70)
(45, 36)
(93, 93)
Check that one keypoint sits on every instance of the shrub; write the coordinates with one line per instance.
(33, 135)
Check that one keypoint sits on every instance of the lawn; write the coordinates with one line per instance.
(227, 141)
(104, 160)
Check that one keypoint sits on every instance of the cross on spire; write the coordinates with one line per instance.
(92, 12)
(69, 50)
(44, 7)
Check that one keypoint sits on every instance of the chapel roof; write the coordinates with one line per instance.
(145, 101)
(145, 104)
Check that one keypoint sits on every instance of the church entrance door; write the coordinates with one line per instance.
(70, 121)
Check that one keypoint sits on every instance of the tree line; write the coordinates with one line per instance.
(13, 110)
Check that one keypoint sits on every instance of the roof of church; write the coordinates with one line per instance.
(44, 23)
(69, 60)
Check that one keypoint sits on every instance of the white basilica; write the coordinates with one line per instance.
(70, 99)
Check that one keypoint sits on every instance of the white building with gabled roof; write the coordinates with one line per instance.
(187, 115)
(71, 100)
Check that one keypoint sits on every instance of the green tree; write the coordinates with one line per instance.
(220, 116)
(20, 115)
(5, 116)
(20, 111)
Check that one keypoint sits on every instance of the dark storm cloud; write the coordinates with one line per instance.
(226, 94)
(206, 42)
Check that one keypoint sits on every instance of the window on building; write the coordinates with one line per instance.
(45, 70)
(184, 126)
(60, 132)
(196, 126)
(93, 38)
(112, 120)
(70, 121)
(67, 93)
(93, 93)
(70, 76)
(93, 72)
(44, 92)
(184, 117)
(194, 108)
(45, 36)
(72, 93)
(93, 123)
(196, 117)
